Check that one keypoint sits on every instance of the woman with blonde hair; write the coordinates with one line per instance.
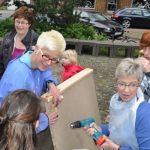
(69, 63)
(129, 125)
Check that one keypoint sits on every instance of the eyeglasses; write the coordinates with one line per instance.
(53, 60)
(17, 22)
(47, 58)
(131, 86)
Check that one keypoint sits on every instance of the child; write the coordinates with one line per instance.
(19, 115)
(69, 63)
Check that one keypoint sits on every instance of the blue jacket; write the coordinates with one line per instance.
(20, 75)
(142, 127)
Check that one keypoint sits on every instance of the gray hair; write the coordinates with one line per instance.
(129, 66)
(52, 40)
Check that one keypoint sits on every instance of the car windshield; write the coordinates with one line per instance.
(93, 16)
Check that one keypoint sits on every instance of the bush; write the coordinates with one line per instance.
(5, 26)
(73, 30)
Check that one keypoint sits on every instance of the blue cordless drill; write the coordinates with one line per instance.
(98, 137)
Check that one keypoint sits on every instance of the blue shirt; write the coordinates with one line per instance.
(142, 127)
(20, 75)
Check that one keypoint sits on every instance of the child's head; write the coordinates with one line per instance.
(19, 116)
(69, 57)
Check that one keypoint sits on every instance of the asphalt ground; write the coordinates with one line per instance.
(5, 14)
(134, 33)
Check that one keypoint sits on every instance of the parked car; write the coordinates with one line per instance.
(133, 17)
(100, 22)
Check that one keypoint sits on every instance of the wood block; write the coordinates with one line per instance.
(79, 102)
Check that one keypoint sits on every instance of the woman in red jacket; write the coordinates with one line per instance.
(69, 63)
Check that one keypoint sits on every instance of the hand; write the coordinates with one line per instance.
(53, 117)
(145, 63)
(109, 145)
(92, 128)
(57, 97)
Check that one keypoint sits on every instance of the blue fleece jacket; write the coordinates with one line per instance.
(20, 75)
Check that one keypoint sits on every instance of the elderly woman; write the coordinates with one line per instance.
(33, 71)
(20, 39)
(145, 61)
(129, 126)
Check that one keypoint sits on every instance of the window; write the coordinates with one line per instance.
(137, 12)
(146, 12)
(126, 12)
(112, 5)
(85, 3)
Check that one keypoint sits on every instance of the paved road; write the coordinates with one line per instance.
(5, 14)
(134, 33)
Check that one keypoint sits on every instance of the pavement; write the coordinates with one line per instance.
(5, 14)
(134, 33)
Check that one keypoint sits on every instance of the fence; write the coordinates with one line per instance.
(110, 45)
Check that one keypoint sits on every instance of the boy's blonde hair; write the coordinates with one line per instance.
(52, 40)
(71, 55)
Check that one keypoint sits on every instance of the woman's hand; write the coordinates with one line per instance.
(53, 91)
(145, 63)
(109, 145)
(92, 128)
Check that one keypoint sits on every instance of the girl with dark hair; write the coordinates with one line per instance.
(19, 116)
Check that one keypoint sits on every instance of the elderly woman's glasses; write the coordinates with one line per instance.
(131, 86)
(47, 58)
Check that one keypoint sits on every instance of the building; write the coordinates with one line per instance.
(106, 6)
(111, 5)
(13, 7)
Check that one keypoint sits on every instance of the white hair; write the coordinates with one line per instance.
(51, 40)
(129, 66)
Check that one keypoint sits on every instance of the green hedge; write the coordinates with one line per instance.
(5, 26)
(74, 30)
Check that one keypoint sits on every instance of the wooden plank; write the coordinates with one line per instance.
(96, 45)
(79, 102)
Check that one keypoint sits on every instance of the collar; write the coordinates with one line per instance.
(26, 59)
(68, 66)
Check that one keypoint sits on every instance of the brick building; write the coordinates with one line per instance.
(111, 5)
(108, 6)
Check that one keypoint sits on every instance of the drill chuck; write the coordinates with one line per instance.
(76, 124)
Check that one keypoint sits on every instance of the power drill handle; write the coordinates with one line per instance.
(98, 137)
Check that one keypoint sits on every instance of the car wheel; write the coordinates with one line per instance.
(97, 31)
(126, 23)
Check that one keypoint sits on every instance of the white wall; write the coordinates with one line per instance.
(13, 7)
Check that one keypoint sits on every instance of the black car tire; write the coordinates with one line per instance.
(97, 31)
(126, 23)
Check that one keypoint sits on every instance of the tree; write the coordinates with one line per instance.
(53, 11)
(3, 2)
(57, 11)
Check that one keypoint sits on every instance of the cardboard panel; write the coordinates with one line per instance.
(79, 103)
